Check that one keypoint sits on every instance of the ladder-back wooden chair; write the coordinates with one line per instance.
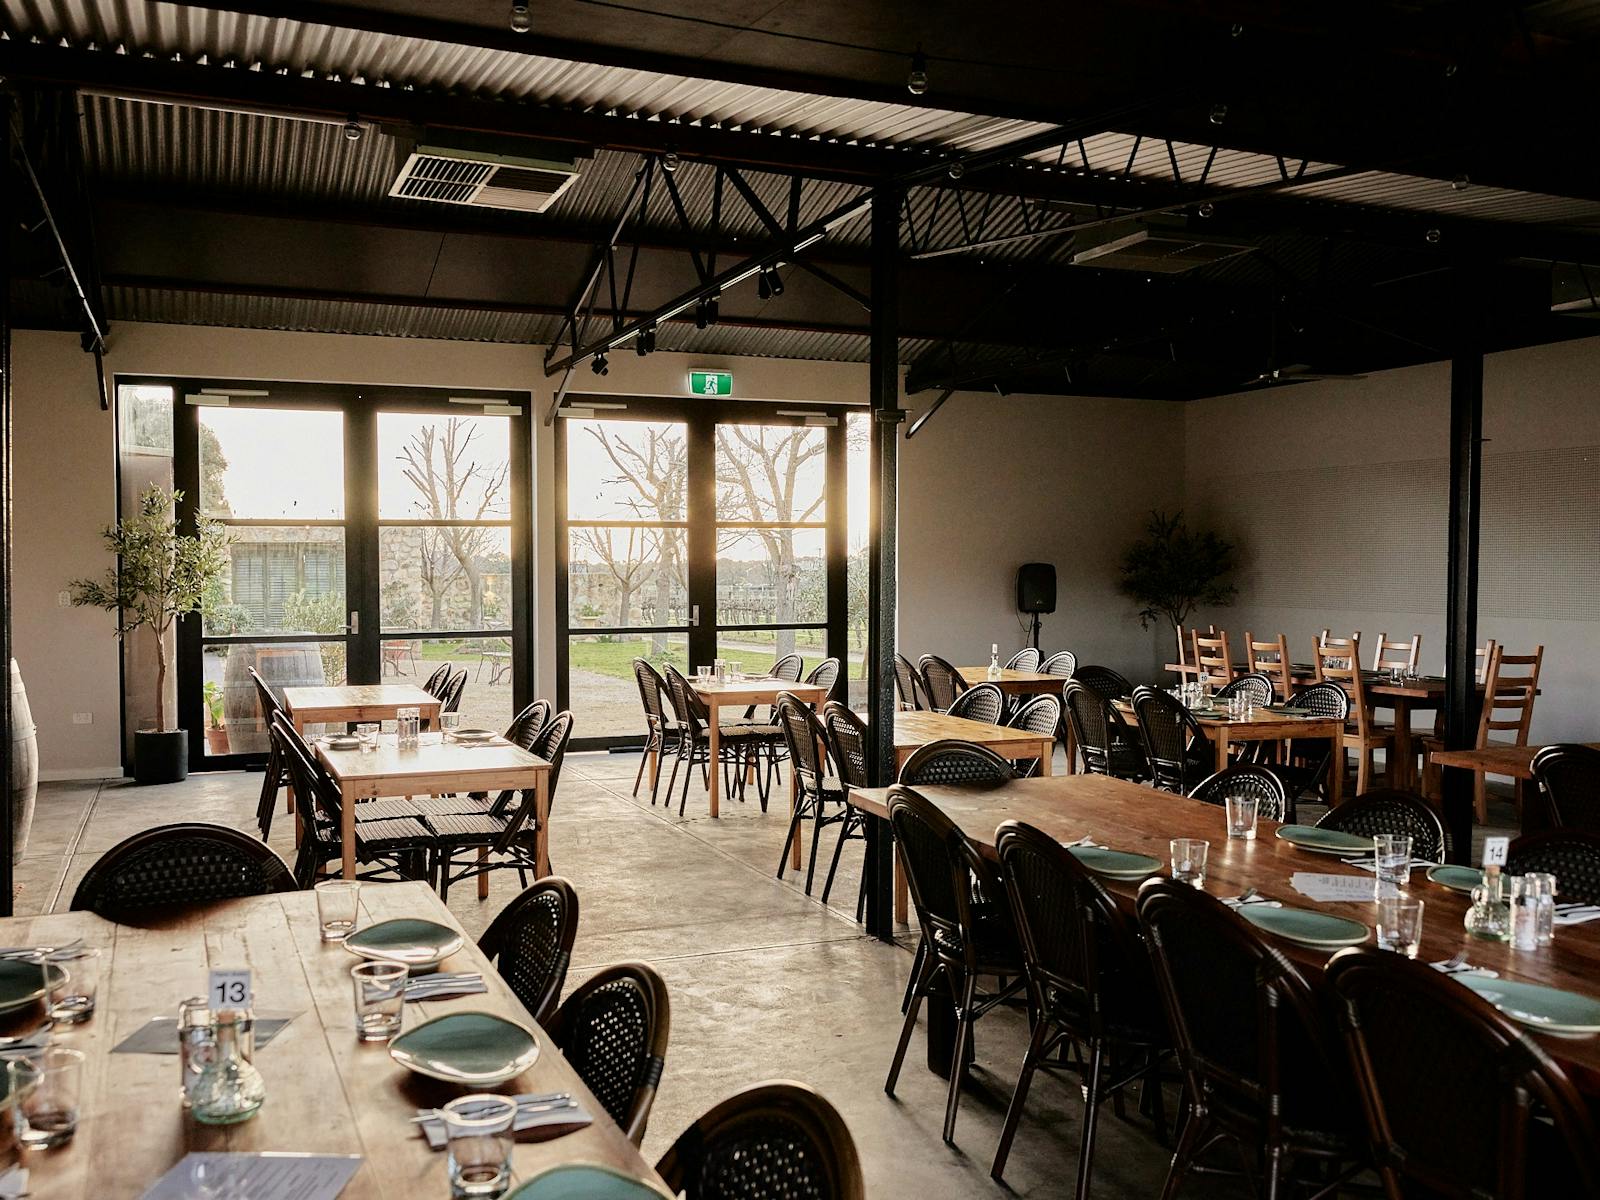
(1339, 661)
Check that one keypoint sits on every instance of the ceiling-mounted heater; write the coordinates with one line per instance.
(456, 167)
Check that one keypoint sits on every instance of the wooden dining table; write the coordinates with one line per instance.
(433, 768)
(327, 1093)
(1028, 683)
(744, 693)
(1513, 761)
(357, 702)
(1131, 817)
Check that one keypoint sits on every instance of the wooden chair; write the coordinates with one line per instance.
(1508, 693)
(1212, 658)
(1390, 654)
(1272, 660)
(1483, 654)
(1339, 661)
(1185, 667)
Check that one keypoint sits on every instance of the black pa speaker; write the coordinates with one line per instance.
(1036, 588)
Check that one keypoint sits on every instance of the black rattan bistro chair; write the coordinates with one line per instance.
(1308, 762)
(1569, 777)
(1108, 746)
(660, 733)
(613, 1032)
(1177, 750)
(530, 943)
(847, 743)
(434, 684)
(1256, 685)
(175, 866)
(1388, 811)
(771, 747)
(966, 929)
(1062, 663)
(818, 794)
(1459, 1101)
(1571, 855)
(908, 685)
(950, 762)
(1248, 780)
(1040, 715)
(982, 702)
(1089, 980)
(450, 694)
(1262, 1066)
(942, 682)
(1026, 659)
(1104, 681)
(694, 741)
(772, 1141)
(277, 773)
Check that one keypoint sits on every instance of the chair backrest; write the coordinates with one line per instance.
(908, 685)
(450, 694)
(1325, 638)
(1246, 780)
(942, 682)
(771, 1141)
(1103, 680)
(1483, 655)
(1396, 652)
(434, 684)
(1459, 1101)
(529, 723)
(788, 668)
(688, 710)
(1571, 855)
(1255, 685)
(952, 762)
(1063, 663)
(1042, 714)
(174, 866)
(1385, 810)
(1095, 724)
(551, 745)
(1323, 700)
(651, 690)
(825, 674)
(1569, 775)
(802, 733)
(1270, 658)
(267, 698)
(1211, 657)
(530, 943)
(944, 873)
(1026, 659)
(1186, 645)
(613, 1031)
(1167, 728)
(1339, 661)
(847, 742)
(1251, 1039)
(1508, 695)
(981, 702)
(315, 793)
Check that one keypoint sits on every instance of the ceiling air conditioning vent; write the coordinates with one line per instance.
(461, 169)
(1156, 247)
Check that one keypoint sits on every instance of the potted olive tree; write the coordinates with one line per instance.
(160, 575)
(1172, 570)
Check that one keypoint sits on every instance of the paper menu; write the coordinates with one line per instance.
(1317, 886)
(204, 1175)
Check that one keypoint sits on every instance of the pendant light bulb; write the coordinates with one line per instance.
(521, 18)
(917, 78)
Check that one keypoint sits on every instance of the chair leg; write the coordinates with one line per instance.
(1091, 1112)
(816, 838)
(921, 972)
(861, 895)
(1188, 1139)
(1019, 1097)
(844, 836)
(794, 827)
(638, 776)
(1480, 797)
(958, 1055)
(917, 961)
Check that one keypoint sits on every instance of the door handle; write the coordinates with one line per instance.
(355, 622)
(694, 614)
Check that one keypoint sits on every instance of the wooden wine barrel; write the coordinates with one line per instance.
(24, 765)
(280, 666)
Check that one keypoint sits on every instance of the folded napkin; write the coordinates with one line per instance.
(1577, 914)
(1370, 864)
(534, 1111)
(1088, 842)
(444, 984)
(1318, 886)
(1242, 902)
(1450, 966)
(25, 1044)
(20, 951)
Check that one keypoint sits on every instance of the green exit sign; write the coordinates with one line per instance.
(711, 383)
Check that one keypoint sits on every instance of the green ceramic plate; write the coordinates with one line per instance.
(1321, 930)
(475, 735)
(1286, 710)
(1537, 1006)
(474, 1048)
(1116, 864)
(585, 1181)
(1324, 841)
(1457, 879)
(21, 983)
(415, 943)
(342, 741)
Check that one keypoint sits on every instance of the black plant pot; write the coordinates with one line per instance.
(160, 757)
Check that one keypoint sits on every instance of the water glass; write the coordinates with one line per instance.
(1400, 924)
(48, 1115)
(72, 998)
(703, 674)
(380, 996)
(1392, 860)
(1189, 859)
(1241, 812)
(1543, 886)
(448, 724)
(408, 724)
(478, 1140)
(336, 907)
(367, 731)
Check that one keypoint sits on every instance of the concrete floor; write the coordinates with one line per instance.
(765, 982)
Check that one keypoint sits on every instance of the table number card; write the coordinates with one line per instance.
(1495, 850)
(229, 988)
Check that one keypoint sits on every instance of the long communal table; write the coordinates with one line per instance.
(326, 1092)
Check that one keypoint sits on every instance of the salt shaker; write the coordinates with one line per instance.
(1524, 914)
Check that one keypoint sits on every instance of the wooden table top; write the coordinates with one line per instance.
(1261, 725)
(431, 758)
(358, 695)
(1015, 683)
(1515, 761)
(326, 1092)
(1131, 817)
(913, 729)
(756, 691)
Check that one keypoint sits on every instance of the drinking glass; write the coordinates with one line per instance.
(48, 1115)
(1400, 924)
(478, 1139)
(367, 731)
(336, 907)
(380, 995)
(1392, 859)
(1241, 812)
(448, 724)
(1189, 859)
(72, 999)
(703, 674)
(1543, 886)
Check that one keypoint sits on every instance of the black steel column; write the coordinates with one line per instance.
(1461, 616)
(7, 833)
(884, 394)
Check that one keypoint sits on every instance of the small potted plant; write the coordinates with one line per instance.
(1173, 570)
(160, 575)
(216, 725)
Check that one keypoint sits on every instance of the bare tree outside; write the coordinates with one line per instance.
(453, 485)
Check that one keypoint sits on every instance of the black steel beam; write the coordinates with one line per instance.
(1461, 603)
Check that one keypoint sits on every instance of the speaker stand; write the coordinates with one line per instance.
(1034, 635)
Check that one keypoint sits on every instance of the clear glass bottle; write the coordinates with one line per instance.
(994, 661)
(229, 1089)
(197, 1042)
(1490, 914)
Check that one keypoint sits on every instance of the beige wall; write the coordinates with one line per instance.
(1336, 493)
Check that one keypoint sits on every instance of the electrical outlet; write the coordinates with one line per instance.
(83, 718)
(64, 599)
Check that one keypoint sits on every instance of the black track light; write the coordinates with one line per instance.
(917, 77)
(701, 320)
(775, 282)
(521, 18)
(763, 287)
(599, 365)
(711, 311)
(769, 283)
(645, 343)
